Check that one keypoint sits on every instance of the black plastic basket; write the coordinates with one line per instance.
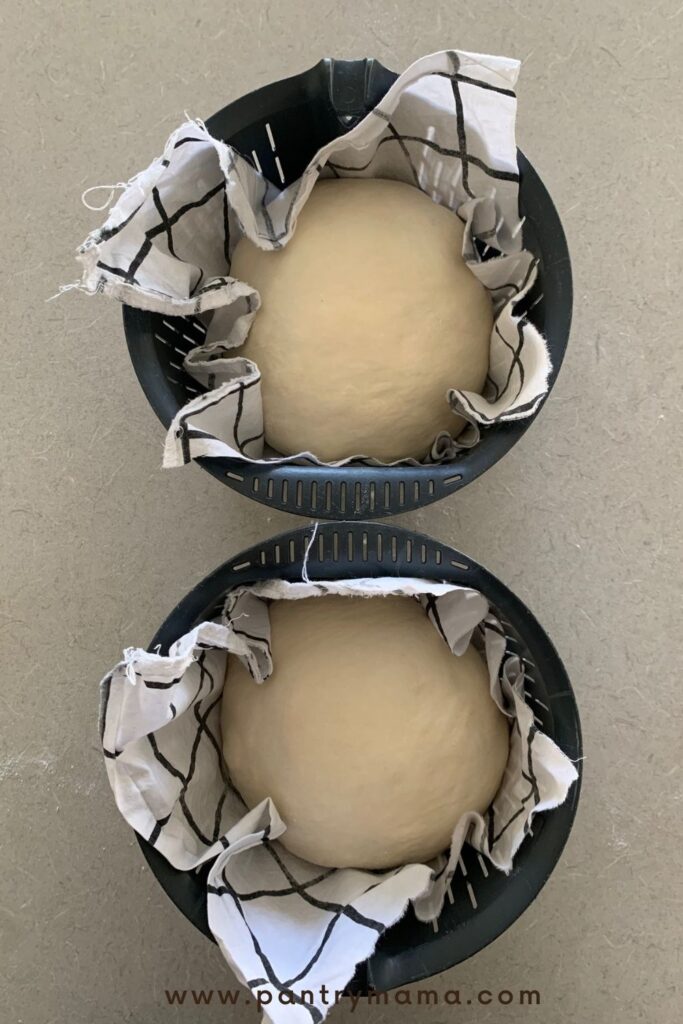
(301, 114)
(485, 902)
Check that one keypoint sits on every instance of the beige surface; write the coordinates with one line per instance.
(99, 544)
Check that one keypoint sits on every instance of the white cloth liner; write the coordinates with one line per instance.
(283, 923)
(447, 126)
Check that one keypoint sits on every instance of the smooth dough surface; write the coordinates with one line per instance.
(369, 315)
(370, 736)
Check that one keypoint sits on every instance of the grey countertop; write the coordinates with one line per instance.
(99, 543)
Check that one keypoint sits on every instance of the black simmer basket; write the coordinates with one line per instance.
(299, 115)
(484, 901)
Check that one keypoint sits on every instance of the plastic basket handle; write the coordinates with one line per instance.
(356, 86)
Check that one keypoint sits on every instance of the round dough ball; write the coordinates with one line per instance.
(370, 736)
(369, 315)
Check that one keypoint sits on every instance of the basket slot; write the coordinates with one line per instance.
(534, 689)
(279, 169)
(269, 134)
(194, 327)
(271, 142)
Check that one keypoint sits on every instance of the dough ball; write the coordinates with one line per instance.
(370, 736)
(369, 315)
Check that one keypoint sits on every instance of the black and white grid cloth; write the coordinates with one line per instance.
(446, 126)
(281, 922)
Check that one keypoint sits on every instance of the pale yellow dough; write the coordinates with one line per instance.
(369, 315)
(371, 737)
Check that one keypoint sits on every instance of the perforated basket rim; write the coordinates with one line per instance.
(390, 967)
(357, 492)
